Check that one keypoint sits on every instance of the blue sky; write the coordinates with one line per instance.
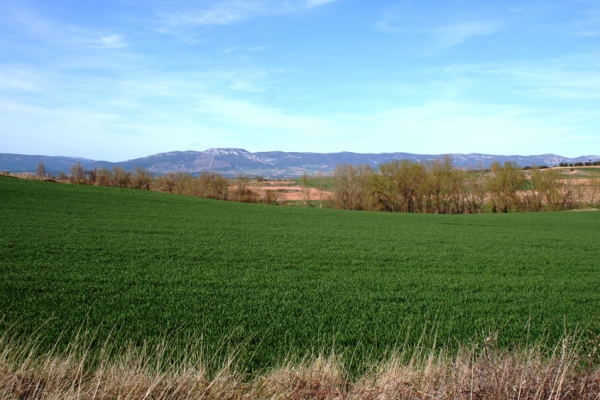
(116, 80)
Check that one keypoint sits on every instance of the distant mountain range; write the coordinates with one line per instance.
(272, 164)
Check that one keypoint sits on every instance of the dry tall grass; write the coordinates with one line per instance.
(474, 372)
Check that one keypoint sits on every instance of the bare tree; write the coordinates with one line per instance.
(190, 186)
(166, 183)
(141, 178)
(594, 189)
(213, 185)
(319, 181)
(386, 187)
(41, 170)
(438, 183)
(120, 177)
(504, 183)
(77, 173)
(344, 181)
(92, 176)
(353, 187)
(183, 183)
(556, 195)
(306, 189)
(476, 190)
(456, 191)
(104, 177)
(268, 196)
(242, 191)
(579, 193)
(410, 178)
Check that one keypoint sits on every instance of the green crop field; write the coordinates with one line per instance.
(285, 281)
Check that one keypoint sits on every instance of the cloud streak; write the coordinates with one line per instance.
(316, 3)
(566, 78)
(63, 35)
(451, 35)
(235, 11)
(403, 20)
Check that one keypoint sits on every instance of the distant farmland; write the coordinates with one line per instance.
(285, 281)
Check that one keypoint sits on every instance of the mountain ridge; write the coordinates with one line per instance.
(269, 164)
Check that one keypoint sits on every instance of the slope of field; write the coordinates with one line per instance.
(286, 281)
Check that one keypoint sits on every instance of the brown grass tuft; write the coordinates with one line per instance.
(479, 371)
(321, 378)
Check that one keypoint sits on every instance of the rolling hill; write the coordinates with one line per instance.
(273, 164)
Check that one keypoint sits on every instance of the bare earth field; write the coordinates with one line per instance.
(290, 191)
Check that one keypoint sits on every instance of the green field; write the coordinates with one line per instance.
(286, 281)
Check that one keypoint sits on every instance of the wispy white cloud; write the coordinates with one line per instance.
(389, 22)
(403, 20)
(566, 78)
(233, 11)
(246, 81)
(315, 3)
(229, 50)
(588, 24)
(192, 108)
(219, 14)
(19, 78)
(257, 48)
(45, 130)
(108, 42)
(450, 68)
(254, 116)
(451, 35)
(60, 34)
(464, 127)
(580, 18)
(235, 49)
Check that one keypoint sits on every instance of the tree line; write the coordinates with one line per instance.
(397, 186)
(579, 164)
(209, 185)
(437, 187)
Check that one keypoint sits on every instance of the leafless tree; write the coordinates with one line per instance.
(41, 170)
(121, 178)
(141, 178)
(92, 176)
(476, 190)
(77, 173)
(504, 183)
(213, 186)
(319, 181)
(104, 177)
(306, 189)
(385, 185)
(353, 187)
(594, 189)
(410, 177)
(166, 182)
(438, 183)
(242, 191)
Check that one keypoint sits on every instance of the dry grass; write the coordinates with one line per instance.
(474, 372)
